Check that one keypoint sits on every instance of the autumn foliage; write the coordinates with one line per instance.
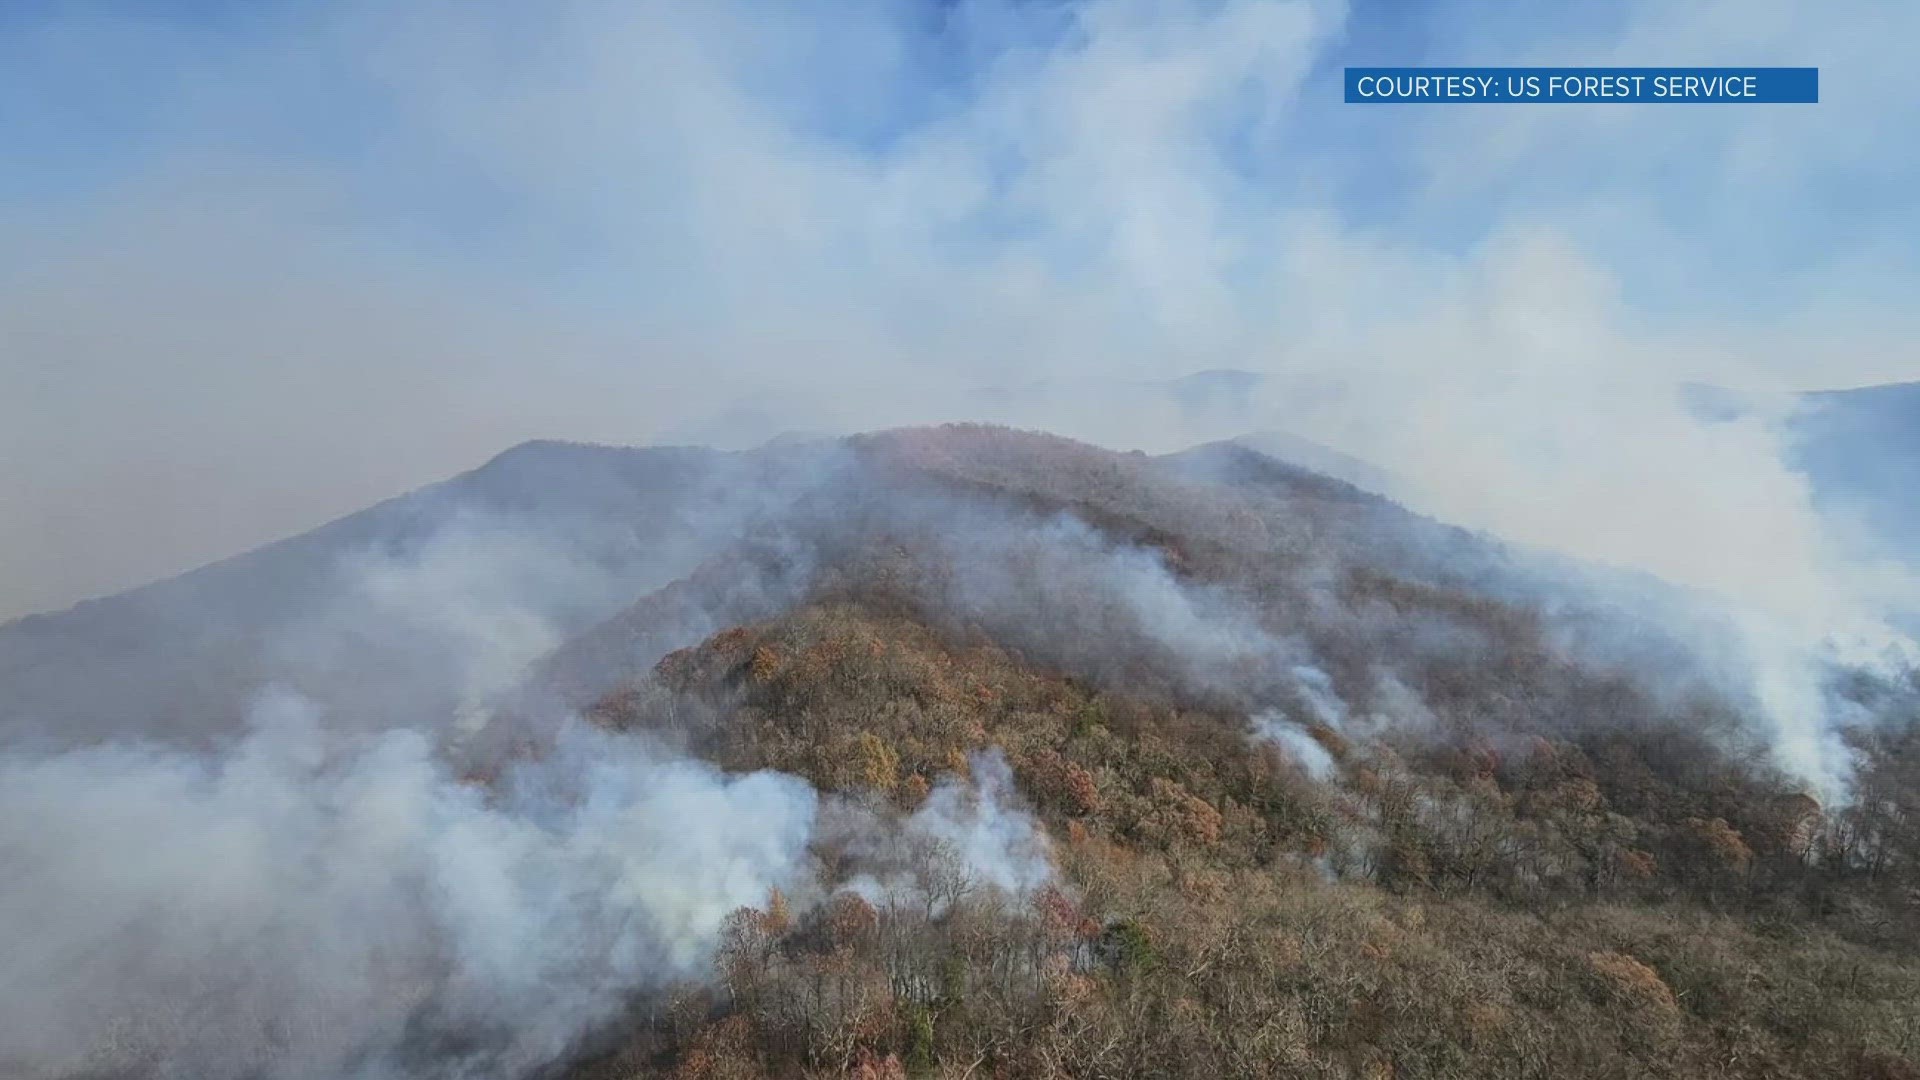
(1517, 865)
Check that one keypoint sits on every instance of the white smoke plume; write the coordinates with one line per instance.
(1296, 743)
(986, 825)
(306, 907)
(970, 834)
(1089, 602)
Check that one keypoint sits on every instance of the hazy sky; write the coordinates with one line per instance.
(263, 263)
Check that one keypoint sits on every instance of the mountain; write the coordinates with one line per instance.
(937, 751)
(560, 533)
(1336, 791)
(1315, 457)
(181, 657)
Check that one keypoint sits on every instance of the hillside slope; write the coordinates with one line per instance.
(951, 752)
(1610, 902)
(181, 657)
(1330, 790)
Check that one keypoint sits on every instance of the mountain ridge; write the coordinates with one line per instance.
(934, 750)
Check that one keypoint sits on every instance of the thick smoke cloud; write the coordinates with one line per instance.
(294, 909)
(359, 883)
(299, 908)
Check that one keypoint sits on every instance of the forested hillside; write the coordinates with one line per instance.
(1621, 902)
(949, 752)
(1453, 847)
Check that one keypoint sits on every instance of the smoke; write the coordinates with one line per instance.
(726, 221)
(660, 221)
(324, 896)
(1317, 688)
(480, 931)
(303, 906)
(984, 823)
(447, 624)
(1296, 743)
(1235, 622)
(1571, 443)
(250, 308)
(1067, 592)
(973, 833)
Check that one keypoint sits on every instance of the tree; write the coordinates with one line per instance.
(875, 765)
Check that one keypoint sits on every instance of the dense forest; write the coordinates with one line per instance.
(1482, 853)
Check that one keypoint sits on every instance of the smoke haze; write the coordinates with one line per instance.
(282, 910)
(289, 263)
(299, 262)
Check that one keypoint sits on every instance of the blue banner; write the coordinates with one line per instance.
(1713, 85)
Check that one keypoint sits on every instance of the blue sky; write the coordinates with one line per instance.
(97, 94)
(100, 94)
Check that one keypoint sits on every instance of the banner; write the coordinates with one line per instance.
(1715, 85)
